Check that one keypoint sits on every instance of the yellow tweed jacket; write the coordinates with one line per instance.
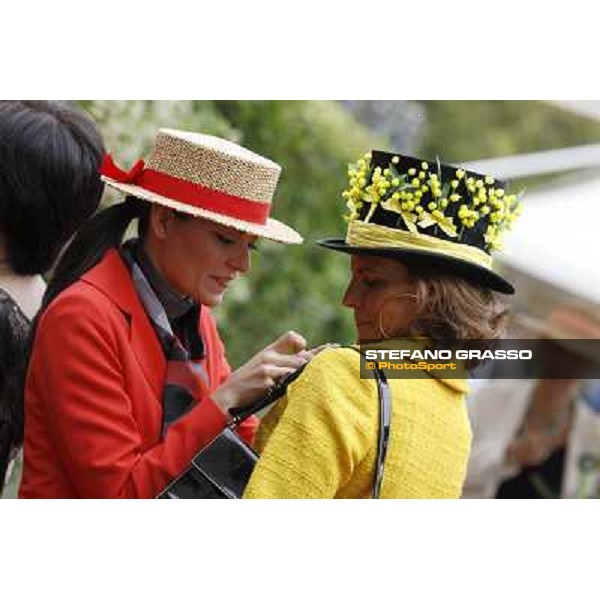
(320, 439)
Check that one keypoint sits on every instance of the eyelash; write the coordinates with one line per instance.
(228, 241)
(371, 283)
(224, 240)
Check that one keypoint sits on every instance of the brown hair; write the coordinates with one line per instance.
(452, 310)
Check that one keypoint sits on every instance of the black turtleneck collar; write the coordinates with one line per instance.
(183, 313)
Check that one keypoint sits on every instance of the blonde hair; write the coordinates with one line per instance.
(452, 308)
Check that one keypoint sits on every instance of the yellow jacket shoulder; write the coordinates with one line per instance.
(320, 440)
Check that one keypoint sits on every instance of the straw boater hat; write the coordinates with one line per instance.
(427, 214)
(207, 177)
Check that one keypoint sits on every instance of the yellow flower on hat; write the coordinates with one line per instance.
(408, 217)
(437, 217)
(420, 198)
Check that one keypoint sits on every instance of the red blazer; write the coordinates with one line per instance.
(93, 409)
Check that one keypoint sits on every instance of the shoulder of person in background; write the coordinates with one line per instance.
(14, 332)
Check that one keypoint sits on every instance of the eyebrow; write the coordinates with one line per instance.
(224, 230)
(372, 270)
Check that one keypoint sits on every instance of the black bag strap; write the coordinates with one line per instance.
(385, 423)
(242, 413)
(385, 414)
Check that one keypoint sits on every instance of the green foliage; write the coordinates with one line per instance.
(463, 130)
(289, 287)
(300, 287)
(129, 126)
(296, 287)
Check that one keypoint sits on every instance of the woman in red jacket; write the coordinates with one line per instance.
(128, 378)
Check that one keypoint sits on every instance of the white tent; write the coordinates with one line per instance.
(557, 238)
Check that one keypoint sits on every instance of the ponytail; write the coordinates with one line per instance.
(101, 232)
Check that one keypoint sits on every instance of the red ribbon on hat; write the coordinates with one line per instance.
(110, 169)
(187, 192)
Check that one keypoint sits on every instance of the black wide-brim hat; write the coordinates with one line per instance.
(421, 259)
(459, 245)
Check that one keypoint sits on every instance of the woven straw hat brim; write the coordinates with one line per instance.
(421, 258)
(272, 229)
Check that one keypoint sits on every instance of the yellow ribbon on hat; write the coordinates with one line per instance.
(371, 235)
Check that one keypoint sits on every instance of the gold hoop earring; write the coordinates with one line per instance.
(382, 332)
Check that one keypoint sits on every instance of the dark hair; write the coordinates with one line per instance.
(50, 155)
(14, 329)
(98, 234)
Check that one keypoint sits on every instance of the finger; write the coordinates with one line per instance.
(314, 351)
(274, 374)
(289, 343)
(515, 453)
(290, 361)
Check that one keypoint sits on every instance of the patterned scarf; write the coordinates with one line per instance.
(182, 389)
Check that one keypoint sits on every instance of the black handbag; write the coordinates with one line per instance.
(222, 469)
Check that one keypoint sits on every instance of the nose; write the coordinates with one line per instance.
(240, 261)
(350, 299)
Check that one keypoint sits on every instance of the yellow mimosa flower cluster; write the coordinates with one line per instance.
(422, 199)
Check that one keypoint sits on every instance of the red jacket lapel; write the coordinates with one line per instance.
(111, 276)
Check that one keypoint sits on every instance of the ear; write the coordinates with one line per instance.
(161, 218)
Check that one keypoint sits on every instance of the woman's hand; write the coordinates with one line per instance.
(547, 424)
(534, 446)
(260, 373)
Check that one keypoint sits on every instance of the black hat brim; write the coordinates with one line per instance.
(421, 258)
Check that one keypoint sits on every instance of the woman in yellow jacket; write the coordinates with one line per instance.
(421, 238)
